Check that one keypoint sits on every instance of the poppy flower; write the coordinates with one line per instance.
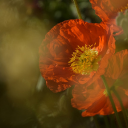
(72, 52)
(107, 10)
(94, 98)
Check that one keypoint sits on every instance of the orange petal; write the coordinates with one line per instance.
(117, 66)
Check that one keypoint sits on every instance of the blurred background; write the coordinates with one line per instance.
(25, 101)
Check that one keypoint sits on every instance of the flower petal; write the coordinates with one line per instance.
(108, 9)
(117, 65)
(93, 100)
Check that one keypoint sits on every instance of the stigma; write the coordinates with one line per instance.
(85, 60)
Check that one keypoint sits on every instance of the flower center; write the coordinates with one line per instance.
(85, 60)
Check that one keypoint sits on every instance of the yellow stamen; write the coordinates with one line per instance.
(123, 8)
(85, 60)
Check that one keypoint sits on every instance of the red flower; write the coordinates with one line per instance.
(107, 10)
(94, 99)
(71, 46)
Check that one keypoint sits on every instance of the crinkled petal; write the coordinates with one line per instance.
(94, 101)
(84, 96)
(108, 9)
(117, 67)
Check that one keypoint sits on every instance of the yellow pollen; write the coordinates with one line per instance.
(85, 60)
(123, 8)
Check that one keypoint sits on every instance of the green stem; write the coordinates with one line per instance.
(112, 121)
(106, 122)
(121, 104)
(112, 102)
(96, 122)
(77, 8)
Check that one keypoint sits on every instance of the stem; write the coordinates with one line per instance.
(121, 104)
(106, 122)
(96, 122)
(112, 102)
(77, 8)
(112, 121)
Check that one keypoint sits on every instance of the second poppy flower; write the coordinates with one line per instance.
(107, 10)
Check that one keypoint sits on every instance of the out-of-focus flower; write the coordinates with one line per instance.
(122, 21)
(71, 53)
(94, 99)
(107, 10)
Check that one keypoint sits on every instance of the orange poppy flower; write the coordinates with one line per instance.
(94, 99)
(71, 53)
(107, 10)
